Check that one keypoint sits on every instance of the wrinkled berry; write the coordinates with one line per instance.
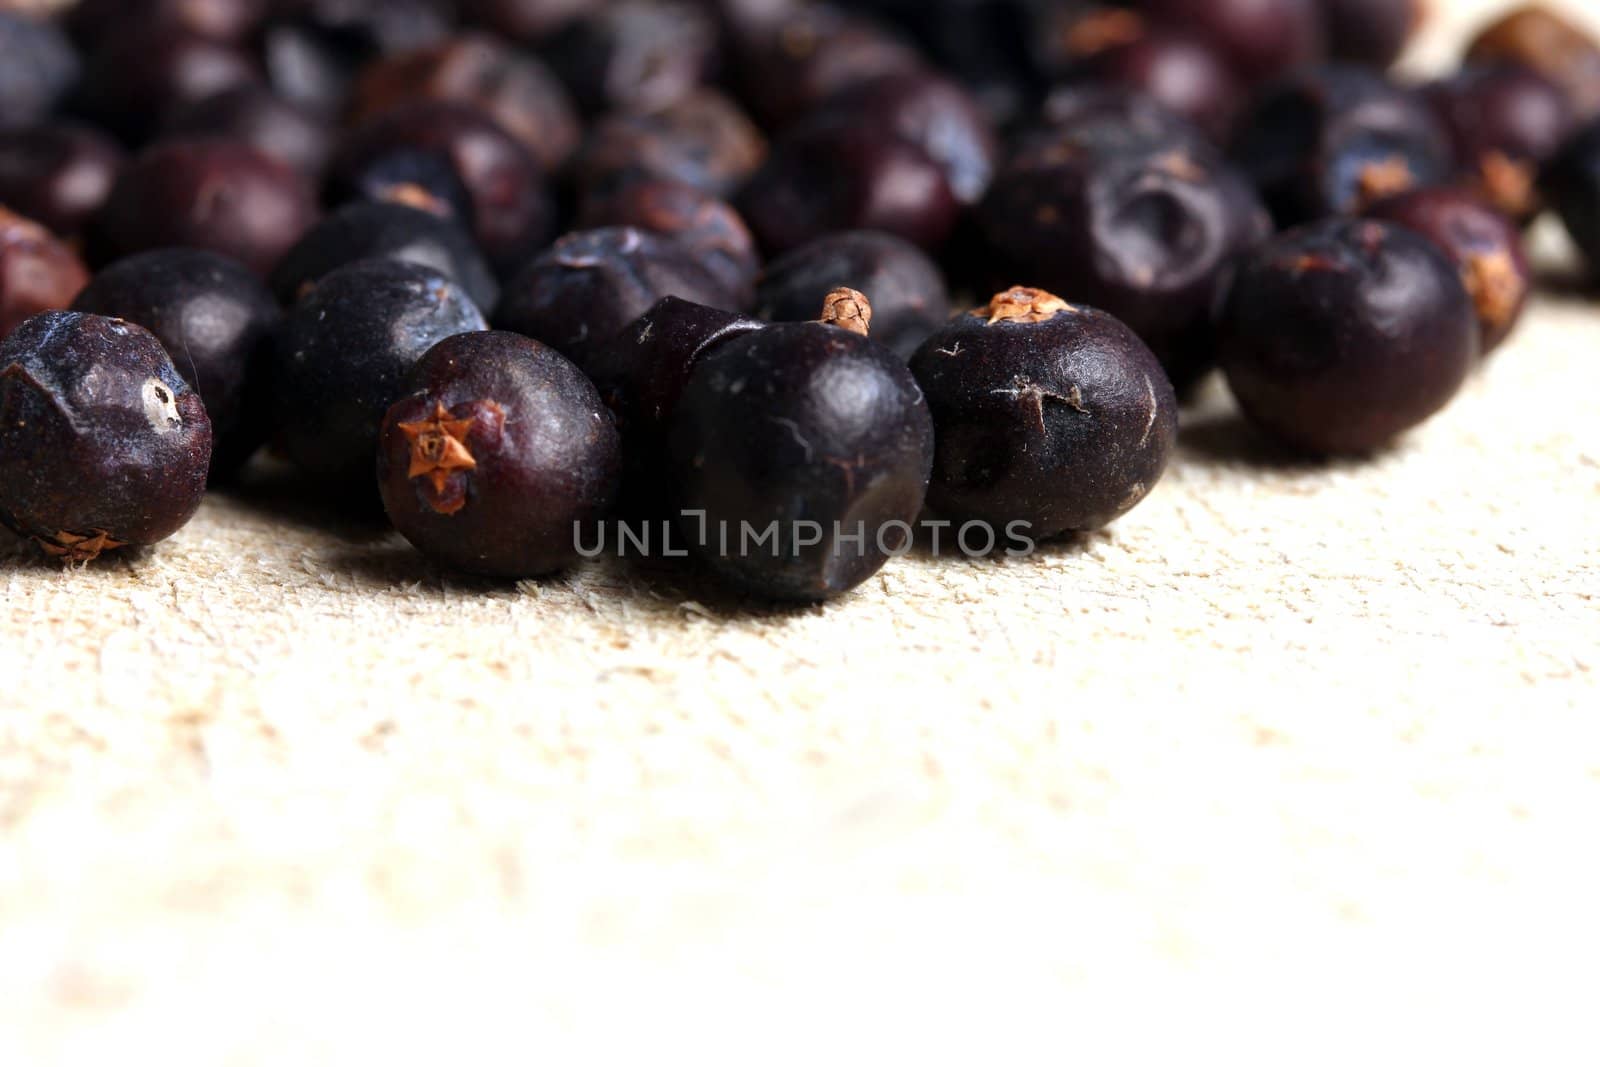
(60, 174)
(903, 286)
(810, 433)
(499, 456)
(222, 196)
(1050, 418)
(38, 272)
(254, 115)
(579, 294)
(216, 321)
(102, 443)
(703, 140)
(343, 354)
(1339, 336)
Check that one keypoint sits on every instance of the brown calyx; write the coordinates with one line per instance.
(1101, 30)
(1021, 304)
(1496, 288)
(848, 310)
(438, 453)
(78, 548)
(410, 194)
(1507, 183)
(1384, 179)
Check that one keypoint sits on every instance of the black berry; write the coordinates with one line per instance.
(255, 115)
(703, 140)
(59, 174)
(1371, 32)
(1572, 185)
(134, 80)
(1261, 38)
(635, 55)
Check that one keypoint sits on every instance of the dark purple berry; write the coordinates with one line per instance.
(1572, 185)
(411, 178)
(1340, 336)
(634, 55)
(313, 49)
(102, 443)
(221, 196)
(501, 454)
(216, 321)
(95, 21)
(579, 294)
(135, 80)
(812, 435)
(527, 21)
(38, 65)
(510, 86)
(38, 271)
(1485, 246)
(1370, 32)
(1050, 418)
(837, 175)
(1505, 123)
(904, 287)
(1536, 37)
(60, 174)
(708, 228)
(384, 231)
(703, 140)
(1330, 140)
(1261, 38)
(254, 115)
(512, 211)
(343, 355)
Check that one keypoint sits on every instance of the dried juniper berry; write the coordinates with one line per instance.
(710, 229)
(1261, 38)
(38, 66)
(255, 115)
(811, 435)
(1485, 246)
(313, 49)
(102, 443)
(512, 213)
(59, 174)
(635, 55)
(1050, 418)
(216, 321)
(1141, 226)
(1339, 336)
(498, 457)
(221, 196)
(581, 292)
(1330, 140)
(134, 80)
(38, 272)
(1505, 123)
(412, 178)
(1179, 69)
(343, 354)
(703, 140)
(509, 85)
(1536, 37)
(1571, 183)
(373, 230)
(829, 175)
(526, 21)
(904, 287)
(1370, 32)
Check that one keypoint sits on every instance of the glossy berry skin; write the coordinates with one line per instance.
(255, 115)
(907, 293)
(38, 66)
(508, 85)
(710, 229)
(1262, 39)
(102, 443)
(364, 230)
(1370, 32)
(1536, 37)
(827, 176)
(1571, 183)
(1485, 246)
(497, 457)
(800, 423)
(703, 140)
(215, 319)
(1340, 336)
(1330, 140)
(59, 174)
(1047, 414)
(1179, 69)
(1142, 228)
(579, 294)
(343, 355)
(38, 272)
(634, 55)
(1505, 123)
(512, 214)
(220, 196)
(135, 80)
